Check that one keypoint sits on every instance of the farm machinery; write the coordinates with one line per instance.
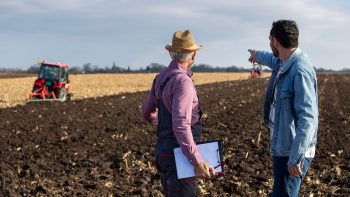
(52, 83)
(256, 71)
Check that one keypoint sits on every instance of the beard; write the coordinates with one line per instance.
(274, 51)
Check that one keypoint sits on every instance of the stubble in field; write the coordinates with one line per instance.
(15, 91)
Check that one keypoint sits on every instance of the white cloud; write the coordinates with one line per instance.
(224, 27)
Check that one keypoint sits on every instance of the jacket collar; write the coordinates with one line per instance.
(287, 64)
(177, 65)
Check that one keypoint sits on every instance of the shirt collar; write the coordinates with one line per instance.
(286, 64)
(177, 65)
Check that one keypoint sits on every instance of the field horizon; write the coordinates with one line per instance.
(15, 90)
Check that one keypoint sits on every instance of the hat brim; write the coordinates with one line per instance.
(170, 47)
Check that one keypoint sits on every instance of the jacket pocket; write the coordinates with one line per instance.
(286, 123)
(286, 94)
(286, 101)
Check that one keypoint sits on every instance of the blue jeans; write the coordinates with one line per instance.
(285, 184)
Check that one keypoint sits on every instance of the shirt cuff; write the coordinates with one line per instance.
(257, 56)
(294, 161)
(154, 117)
(195, 159)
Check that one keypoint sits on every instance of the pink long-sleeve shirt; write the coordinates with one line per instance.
(180, 99)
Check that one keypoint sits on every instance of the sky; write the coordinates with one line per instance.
(134, 32)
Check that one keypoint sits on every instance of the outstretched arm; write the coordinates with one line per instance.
(262, 57)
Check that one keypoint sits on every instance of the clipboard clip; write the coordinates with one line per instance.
(220, 164)
(218, 154)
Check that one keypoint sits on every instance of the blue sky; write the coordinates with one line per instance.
(134, 32)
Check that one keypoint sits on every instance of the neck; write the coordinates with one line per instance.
(285, 53)
(185, 64)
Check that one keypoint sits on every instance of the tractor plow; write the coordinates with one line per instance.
(45, 100)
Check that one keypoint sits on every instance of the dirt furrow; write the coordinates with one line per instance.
(101, 146)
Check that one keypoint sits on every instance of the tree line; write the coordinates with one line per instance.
(151, 68)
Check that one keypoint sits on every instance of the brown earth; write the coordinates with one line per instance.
(101, 146)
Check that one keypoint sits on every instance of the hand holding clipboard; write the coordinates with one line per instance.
(211, 154)
(204, 170)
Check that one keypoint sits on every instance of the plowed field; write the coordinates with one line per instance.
(101, 146)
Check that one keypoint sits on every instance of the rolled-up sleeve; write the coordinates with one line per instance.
(182, 104)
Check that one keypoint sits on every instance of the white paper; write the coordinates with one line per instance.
(208, 151)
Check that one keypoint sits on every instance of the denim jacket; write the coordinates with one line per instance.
(296, 109)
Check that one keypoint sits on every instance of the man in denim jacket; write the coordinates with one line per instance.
(291, 107)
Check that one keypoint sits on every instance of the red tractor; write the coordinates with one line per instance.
(52, 83)
(256, 71)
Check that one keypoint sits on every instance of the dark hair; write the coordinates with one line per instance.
(286, 32)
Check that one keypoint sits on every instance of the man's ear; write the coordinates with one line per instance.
(194, 55)
(276, 43)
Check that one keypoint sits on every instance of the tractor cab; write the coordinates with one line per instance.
(53, 73)
(52, 83)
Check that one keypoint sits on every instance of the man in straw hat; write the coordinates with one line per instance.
(174, 105)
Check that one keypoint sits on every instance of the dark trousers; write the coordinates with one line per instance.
(284, 184)
(171, 185)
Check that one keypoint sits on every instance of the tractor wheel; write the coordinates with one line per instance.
(63, 94)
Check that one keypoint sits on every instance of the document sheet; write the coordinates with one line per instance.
(210, 152)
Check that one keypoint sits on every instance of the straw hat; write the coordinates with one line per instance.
(183, 42)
